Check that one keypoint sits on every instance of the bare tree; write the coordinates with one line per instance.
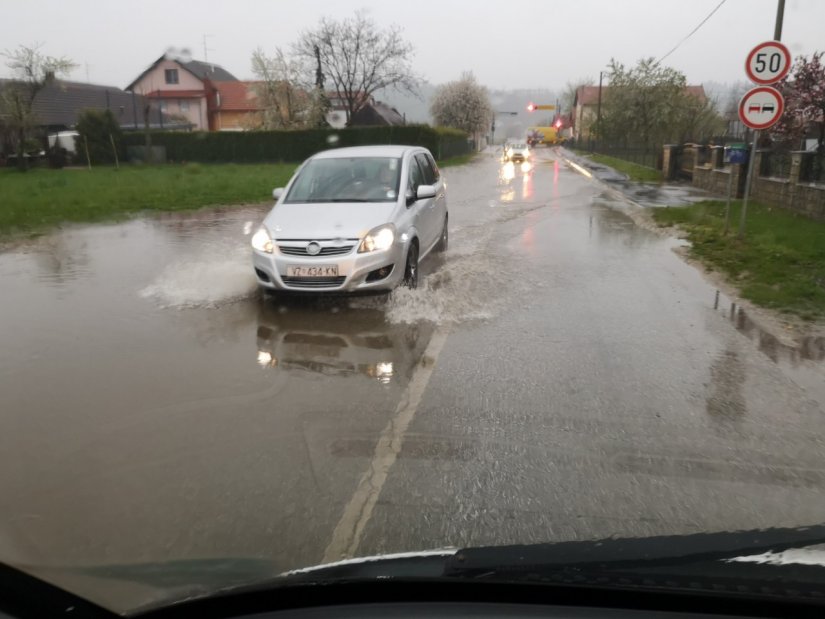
(32, 72)
(288, 96)
(358, 58)
(463, 104)
(568, 97)
(279, 90)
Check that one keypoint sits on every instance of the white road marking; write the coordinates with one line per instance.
(350, 529)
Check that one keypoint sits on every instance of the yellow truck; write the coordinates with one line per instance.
(543, 135)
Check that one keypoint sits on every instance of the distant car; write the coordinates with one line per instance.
(353, 220)
(517, 152)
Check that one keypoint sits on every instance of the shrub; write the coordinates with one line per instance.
(271, 146)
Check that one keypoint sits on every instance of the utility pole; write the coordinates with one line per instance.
(777, 36)
(599, 107)
(780, 15)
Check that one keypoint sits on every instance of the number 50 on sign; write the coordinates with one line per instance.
(768, 63)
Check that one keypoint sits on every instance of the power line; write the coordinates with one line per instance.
(692, 32)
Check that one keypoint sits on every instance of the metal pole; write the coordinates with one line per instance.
(599, 108)
(748, 181)
(727, 202)
(780, 15)
(134, 110)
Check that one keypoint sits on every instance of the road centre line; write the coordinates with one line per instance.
(350, 528)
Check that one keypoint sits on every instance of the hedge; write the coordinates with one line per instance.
(271, 146)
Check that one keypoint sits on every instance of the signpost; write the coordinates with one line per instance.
(761, 107)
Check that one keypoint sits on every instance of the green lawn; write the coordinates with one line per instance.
(459, 160)
(779, 264)
(41, 198)
(634, 171)
(36, 200)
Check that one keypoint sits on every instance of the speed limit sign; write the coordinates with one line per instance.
(768, 63)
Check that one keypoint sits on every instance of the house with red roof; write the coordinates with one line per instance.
(234, 106)
(182, 87)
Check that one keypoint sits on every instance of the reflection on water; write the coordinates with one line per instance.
(343, 341)
(510, 175)
(809, 348)
(726, 399)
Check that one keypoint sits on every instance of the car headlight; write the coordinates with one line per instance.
(261, 241)
(378, 239)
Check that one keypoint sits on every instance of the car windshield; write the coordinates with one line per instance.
(293, 284)
(347, 179)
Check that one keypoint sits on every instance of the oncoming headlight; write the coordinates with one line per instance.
(261, 241)
(378, 239)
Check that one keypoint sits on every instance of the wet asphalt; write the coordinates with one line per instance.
(561, 374)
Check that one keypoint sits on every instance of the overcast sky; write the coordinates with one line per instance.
(512, 44)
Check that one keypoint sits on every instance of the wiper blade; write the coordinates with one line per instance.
(631, 553)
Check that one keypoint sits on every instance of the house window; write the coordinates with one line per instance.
(163, 106)
(183, 104)
(171, 76)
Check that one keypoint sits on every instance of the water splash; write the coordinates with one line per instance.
(205, 280)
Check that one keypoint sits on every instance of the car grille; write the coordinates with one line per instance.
(314, 282)
(288, 250)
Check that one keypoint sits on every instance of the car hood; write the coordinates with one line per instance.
(348, 220)
(737, 561)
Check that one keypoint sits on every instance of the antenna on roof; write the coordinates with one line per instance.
(206, 49)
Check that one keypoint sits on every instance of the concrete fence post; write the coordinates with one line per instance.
(669, 152)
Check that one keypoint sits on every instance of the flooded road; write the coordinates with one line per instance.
(560, 374)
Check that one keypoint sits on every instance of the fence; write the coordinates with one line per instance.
(650, 157)
(812, 168)
(775, 164)
(794, 180)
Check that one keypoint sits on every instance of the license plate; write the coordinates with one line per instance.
(329, 270)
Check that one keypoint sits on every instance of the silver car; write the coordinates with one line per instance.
(352, 220)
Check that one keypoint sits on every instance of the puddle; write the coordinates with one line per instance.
(803, 360)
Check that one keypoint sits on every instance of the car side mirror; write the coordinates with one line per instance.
(277, 193)
(425, 192)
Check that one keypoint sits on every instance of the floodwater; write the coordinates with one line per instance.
(559, 374)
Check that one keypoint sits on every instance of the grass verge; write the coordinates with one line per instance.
(634, 171)
(41, 198)
(459, 160)
(33, 201)
(780, 264)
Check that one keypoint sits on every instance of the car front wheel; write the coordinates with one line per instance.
(411, 268)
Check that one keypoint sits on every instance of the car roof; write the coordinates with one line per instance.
(382, 150)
